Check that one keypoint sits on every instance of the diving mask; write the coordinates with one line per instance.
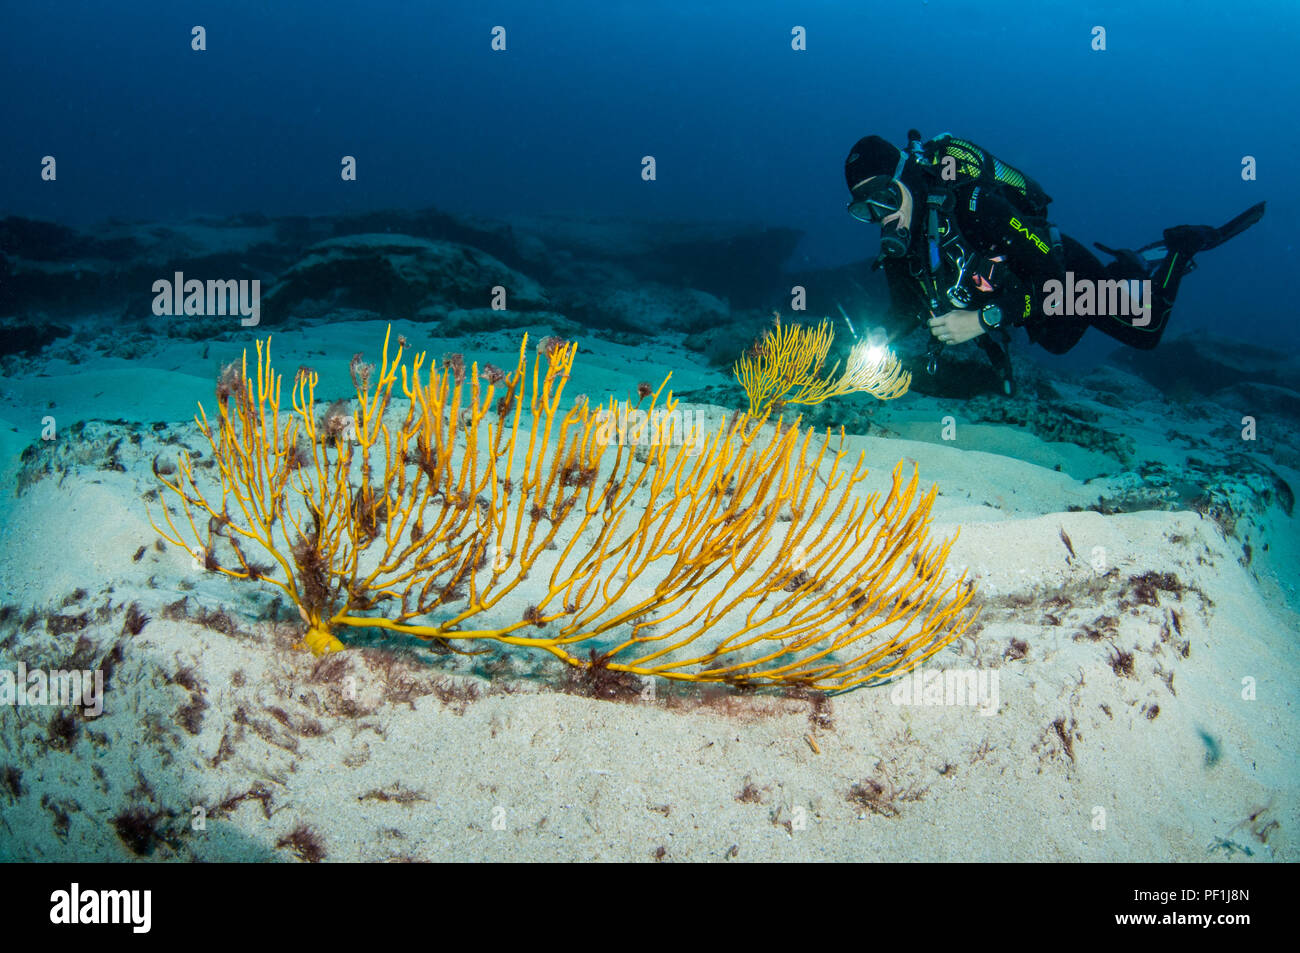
(879, 200)
(876, 199)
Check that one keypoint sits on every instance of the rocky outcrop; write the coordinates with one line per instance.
(740, 264)
(1260, 399)
(627, 277)
(643, 308)
(28, 337)
(1203, 364)
(62, 271)
(399, 275)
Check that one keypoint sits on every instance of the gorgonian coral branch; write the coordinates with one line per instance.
(485, 511)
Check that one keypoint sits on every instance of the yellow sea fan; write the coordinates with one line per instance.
(475, 515)
(785, 367)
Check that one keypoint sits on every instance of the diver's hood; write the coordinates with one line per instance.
(872, 156)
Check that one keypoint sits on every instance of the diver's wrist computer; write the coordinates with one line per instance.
(991, 316)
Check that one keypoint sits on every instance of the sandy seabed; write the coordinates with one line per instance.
(1145, 703)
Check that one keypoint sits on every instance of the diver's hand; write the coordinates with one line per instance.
(956, 327)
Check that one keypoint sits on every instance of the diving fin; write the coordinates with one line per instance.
(1191, 239)
(1237, 225)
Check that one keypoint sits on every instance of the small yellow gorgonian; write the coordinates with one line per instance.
(785, 367)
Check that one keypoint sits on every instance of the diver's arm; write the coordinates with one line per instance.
(1015, 299)
(957, 326)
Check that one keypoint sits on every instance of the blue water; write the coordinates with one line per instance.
(1149, 133)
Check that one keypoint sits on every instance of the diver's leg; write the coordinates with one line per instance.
(1059, 333)
(1159, 288)
(1161, 268)
(1164, 263)
(1142, 330)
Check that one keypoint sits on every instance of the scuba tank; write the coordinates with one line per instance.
(950, 162)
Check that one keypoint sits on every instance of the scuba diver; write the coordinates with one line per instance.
(967, 250)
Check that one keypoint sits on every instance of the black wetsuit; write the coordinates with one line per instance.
(992, 226)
